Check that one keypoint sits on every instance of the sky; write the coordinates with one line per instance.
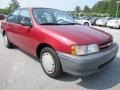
(57, 4)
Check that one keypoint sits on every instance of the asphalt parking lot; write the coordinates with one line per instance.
(18, 71)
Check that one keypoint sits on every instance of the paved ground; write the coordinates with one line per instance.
(19, 71)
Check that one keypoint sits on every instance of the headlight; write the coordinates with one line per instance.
(84, 50)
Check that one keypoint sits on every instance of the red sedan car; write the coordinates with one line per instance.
(59, 42)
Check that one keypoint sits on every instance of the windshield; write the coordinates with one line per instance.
(45, 16)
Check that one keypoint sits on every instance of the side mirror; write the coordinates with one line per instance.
(26, 22)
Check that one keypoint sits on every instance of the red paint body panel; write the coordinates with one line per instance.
(60, 37)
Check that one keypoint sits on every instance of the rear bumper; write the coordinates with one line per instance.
(101, 23)
(113, 25)
(89, 64)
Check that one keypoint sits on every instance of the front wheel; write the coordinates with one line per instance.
(7, 43)
(51, 63)
(86, 24)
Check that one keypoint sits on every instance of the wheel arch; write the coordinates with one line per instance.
(86, 22)
(40, 47)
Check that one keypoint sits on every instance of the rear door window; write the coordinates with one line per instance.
(13, 17)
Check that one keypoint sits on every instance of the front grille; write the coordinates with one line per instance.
(104, 46)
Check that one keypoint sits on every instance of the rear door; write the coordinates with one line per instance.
(10, 26)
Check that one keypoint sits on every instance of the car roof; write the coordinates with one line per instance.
(35, 8)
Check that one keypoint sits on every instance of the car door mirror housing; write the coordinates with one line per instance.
(26, 22)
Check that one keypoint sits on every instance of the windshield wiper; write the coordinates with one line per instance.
(73, 24)
(50, 24)
(60, 24)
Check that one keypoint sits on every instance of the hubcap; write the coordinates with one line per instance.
(48, 62)
(5, 40)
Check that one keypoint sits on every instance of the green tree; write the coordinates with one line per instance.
(112, 6)
(13, 5)
(86, 9)
(100, 6)
(106, 7)
(4, 11)
(77, 10)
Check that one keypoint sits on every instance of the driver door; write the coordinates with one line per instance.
(24, 34)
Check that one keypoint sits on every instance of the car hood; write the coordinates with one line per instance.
(77, 34)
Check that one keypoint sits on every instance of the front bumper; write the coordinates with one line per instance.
(89, 64)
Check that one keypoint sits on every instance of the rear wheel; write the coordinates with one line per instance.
(119, 27)
(51, 63)
(7, 43)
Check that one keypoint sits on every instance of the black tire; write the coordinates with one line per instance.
(58, 68)
(8, 44)
(86, 24)
(119, 27)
